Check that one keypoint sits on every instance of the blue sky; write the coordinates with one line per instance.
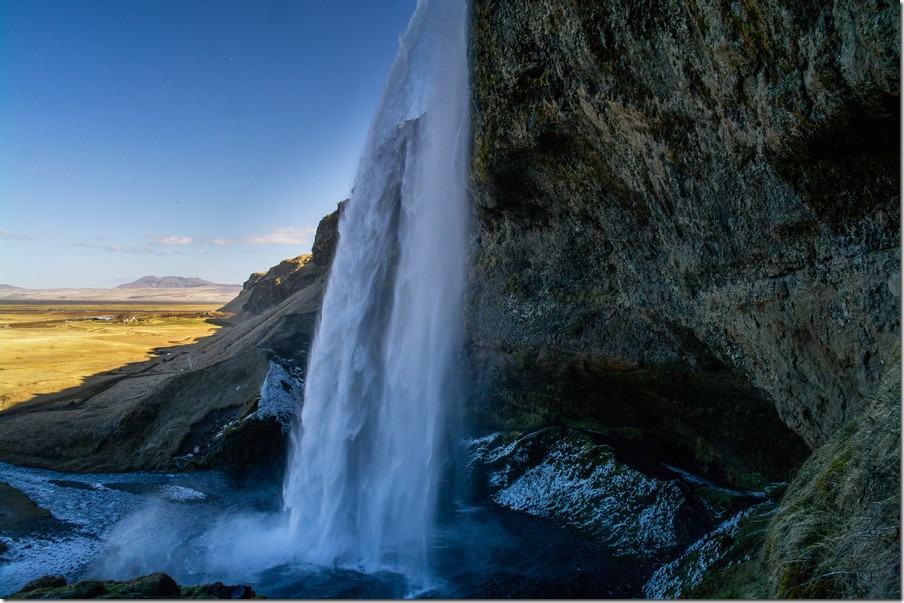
(189, 137)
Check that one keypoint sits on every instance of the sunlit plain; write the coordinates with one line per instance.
(48, 348)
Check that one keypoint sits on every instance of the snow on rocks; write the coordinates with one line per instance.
(281, 396)
(564, 475)
(718, 548)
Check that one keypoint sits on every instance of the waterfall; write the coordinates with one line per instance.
(380, 395)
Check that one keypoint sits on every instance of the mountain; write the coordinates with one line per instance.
(163, 290)
(168, 282)
(5, 286)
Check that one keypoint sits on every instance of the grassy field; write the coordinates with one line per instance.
(46, 347)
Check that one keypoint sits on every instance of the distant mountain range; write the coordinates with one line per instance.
(169, 282)
(147, 288)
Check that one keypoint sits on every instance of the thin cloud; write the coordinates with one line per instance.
(6, 235)
(145, 250)
(291, 235)
(168, 245)
(173, 240)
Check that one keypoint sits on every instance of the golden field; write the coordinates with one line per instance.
(48, 347)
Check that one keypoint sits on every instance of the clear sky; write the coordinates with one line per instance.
(186, 137)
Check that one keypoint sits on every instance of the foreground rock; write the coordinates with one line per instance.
(20, 513)
(153, 586)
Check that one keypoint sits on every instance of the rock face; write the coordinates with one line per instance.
(19, 512)
(220, 402)
(687, 234)
(693, 183)
(264, 290)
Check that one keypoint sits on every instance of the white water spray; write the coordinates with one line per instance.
(364, 472)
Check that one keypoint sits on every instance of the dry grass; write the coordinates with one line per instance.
(837, 533)
(46, 348)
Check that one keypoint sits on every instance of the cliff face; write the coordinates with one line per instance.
(687, 225)
(674, 181)
(264, 290)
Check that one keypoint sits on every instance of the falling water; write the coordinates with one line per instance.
(364, 474)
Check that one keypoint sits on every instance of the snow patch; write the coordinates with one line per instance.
(281, 397)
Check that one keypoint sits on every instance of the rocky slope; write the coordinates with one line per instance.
(225, 401)
(264, 290)
(687, 238)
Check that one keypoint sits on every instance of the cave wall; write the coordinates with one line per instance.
(700, 185)
(687, 235)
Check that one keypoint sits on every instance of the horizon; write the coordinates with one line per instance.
(207, 282)
(214, 155)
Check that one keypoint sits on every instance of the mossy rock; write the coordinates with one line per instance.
(152, 586)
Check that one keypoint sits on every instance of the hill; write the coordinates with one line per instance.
(168, 282)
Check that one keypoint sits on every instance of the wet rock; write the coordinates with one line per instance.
(218, 590)
(19, 512)
(564, 475)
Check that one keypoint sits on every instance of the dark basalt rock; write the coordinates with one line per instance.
(18, 512)
(723, 564)
(692, 199)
